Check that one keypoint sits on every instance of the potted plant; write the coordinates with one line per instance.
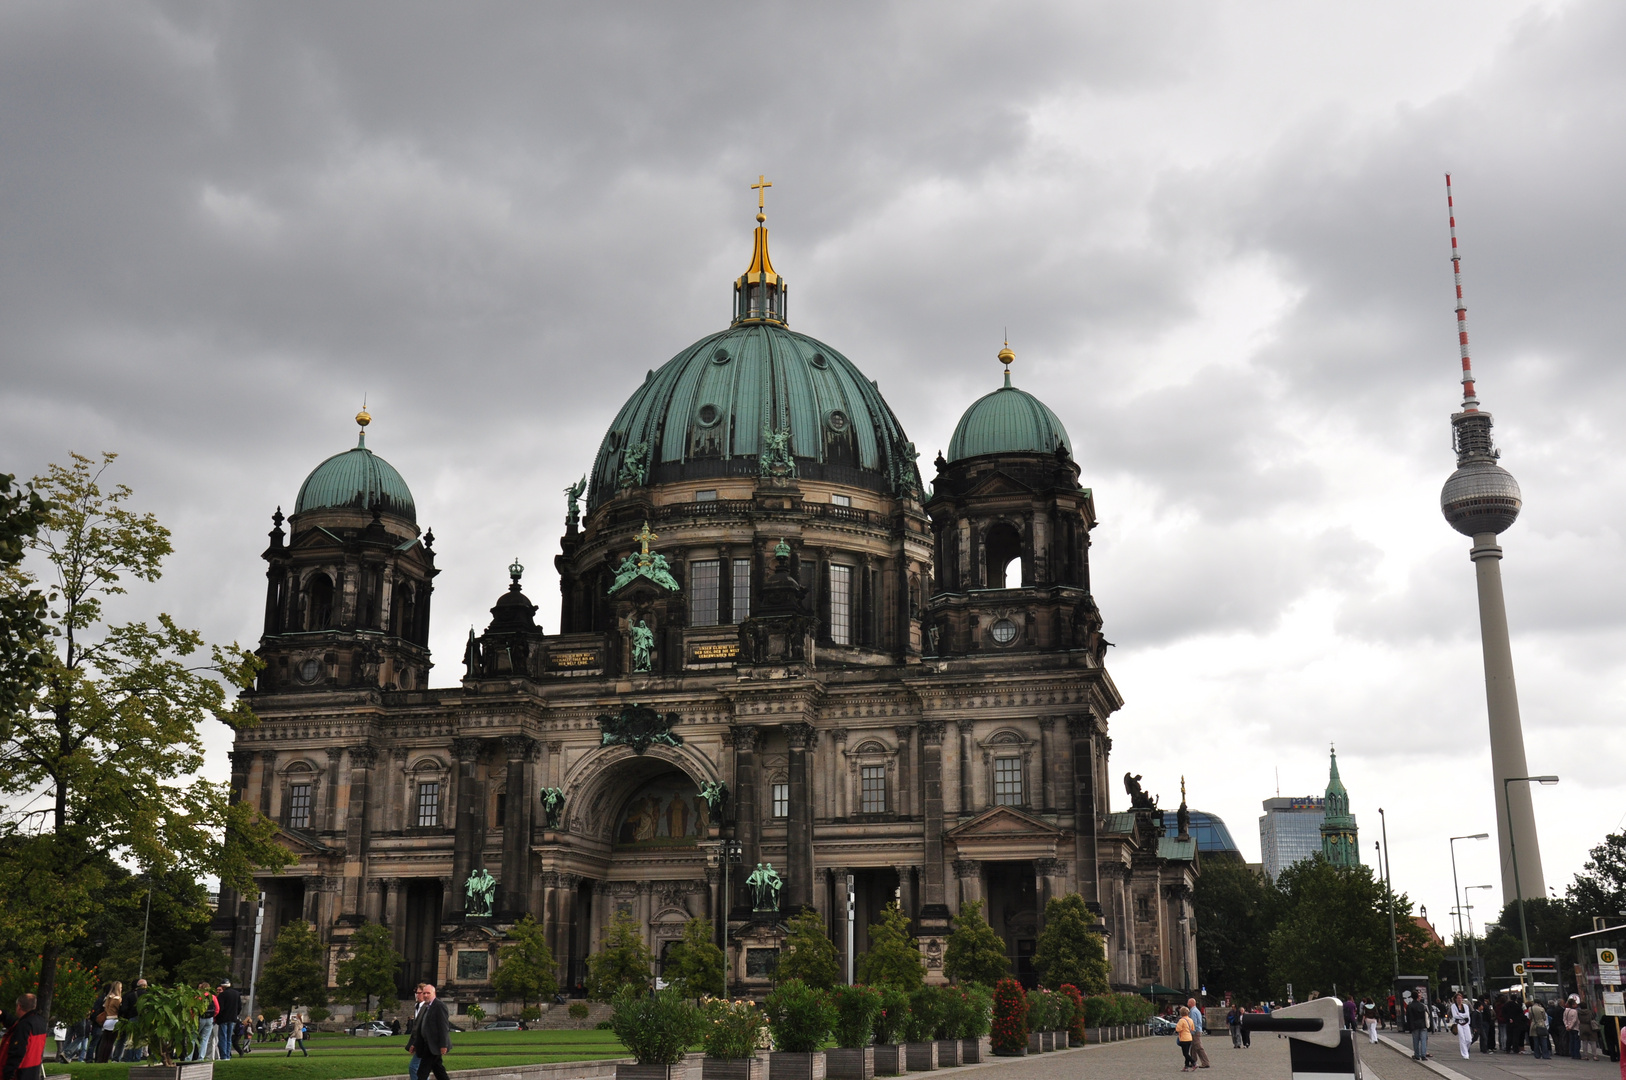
(731, 1031)
(951, 1018)
(1062, 1004)
(920, 1030)
(1010, 1021)
(1039, 1013)
(658, 1027)
(975, 1022)
(800, 1018)
(165, 1026)
(857, 1008)
(891, 1059)
(1075, 1025)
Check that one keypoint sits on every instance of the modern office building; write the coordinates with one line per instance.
(1290, 830)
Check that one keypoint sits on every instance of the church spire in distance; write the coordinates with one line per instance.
(759, 293)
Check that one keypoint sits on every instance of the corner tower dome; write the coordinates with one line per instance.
(710, 410)
(357, 479)
(1007, 421)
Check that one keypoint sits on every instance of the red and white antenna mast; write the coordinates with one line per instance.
(1470, 403)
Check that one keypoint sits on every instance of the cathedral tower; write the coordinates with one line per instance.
(1340, 841)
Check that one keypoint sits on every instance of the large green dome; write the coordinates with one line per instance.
(703, 412)
(357, 479)
(1007, 421)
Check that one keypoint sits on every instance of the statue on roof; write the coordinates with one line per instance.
(634, 466)
(643, 646)
(1138, 799)
(573, 510)
(776, 462)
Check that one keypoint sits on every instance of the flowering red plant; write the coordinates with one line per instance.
(1010, 1034)
(1075, 1027)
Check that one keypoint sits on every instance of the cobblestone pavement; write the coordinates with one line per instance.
(1149, 1057)
(1450, 1065)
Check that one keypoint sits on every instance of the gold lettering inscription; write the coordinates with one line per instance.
(574, 659)
(724, 650)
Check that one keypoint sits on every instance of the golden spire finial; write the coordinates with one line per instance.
(1006, 357)
(364, 417)
(761, 188)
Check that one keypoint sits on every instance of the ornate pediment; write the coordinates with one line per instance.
(1002, 821)
(997, 483)
(1005, 833)
(303, 843)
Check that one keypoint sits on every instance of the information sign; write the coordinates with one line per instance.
(1609, 967)
(1614, 1002)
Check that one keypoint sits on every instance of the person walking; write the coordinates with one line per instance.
(1233, 1020)
(22, 1051)
(231, 1008)
(107, 1019)
(432, 1035)
(206, 1024)
(1196, 1014)
(1417, 1020)
(296, 1036)
(1182, 1035)
(1369, 1018)
(1462, 1024)
(412, 1026)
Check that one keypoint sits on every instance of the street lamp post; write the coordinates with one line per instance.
(1462, 962)
(1545, 781)
(1473, 942)
(1389, 889)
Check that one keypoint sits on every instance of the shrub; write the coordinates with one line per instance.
(1075, 1027)
(361, 1017)
(1062, 1011)
(975, 953)
(894, 957)
(1010, 1027)
(476, 1014)
(530, 1013)
(979, 1005)
(809, 954)
(732, 1029)
(955, 1008)
(925, 1014)
(1041, 1011)
(799, 1016)
(622, 960)
(166, 1022)
(1100, 1010)
(603, 1025)
(578, 1010)
(1069, 949)
(857, 1008)
(319, 1013)
(1134, 1009)
(894, 1014)
(657, 1027)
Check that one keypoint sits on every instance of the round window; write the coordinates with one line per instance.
(819, 361)
(309, 670)
(720, 356)
(709, 415)
(837, 421)
(613, 441)
(1004, 632)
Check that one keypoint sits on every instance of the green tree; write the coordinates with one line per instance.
(893, 958)
(624, 960)
(808, 953)
(1069, 950)
(296, 971)
(974, 952)
(22, 606)
(369, 970)
(1600, 887)
(695, 965)
(1236, 908)
(1551, 923)
(526, 968)
(206, 962)
(109, 740)
(1334, 930)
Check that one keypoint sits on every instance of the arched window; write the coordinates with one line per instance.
(319, 602)
(401, 610)
(1002, 548)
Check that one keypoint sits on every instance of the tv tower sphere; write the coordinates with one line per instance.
(1481, 497)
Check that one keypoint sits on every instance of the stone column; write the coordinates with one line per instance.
(1086, 811)
(553, 768)
(514, 898)
(328, 820)
(931, 791)
(799, 826)
(1050, 880)
(967, 753)
(1047, 766)
(747, 812)
(398, 790)
(573, 938)
(468, 838)
(549, 881)
(356, 821)
(907, 899)
(969, 874)
(836, 793)
(906, 771)
(373, 910)
(268, 779)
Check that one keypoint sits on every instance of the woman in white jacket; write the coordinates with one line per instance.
(1462, 1022)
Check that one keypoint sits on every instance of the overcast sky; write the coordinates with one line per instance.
(1216, 233)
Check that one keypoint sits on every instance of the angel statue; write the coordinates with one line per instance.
(764, 886)
(573, 510)
(553, 806)
(481, 888)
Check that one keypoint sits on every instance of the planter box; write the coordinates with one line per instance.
(195, 1070)
(922, 1056)
(975, 1051)
(1064, 1039)
(948, 1054)
(1049, 1041)
(785, 1065)
(850, 1063)
(683, 1070)
(751, 1068)
(1035, 1042)
(1020, 1052)
(891, 1059)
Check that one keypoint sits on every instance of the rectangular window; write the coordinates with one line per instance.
(841, 604)
(872, 789)
(841, 500)
(1007, 781)
(704, 583)
(709, 495)
(502, 809)
(299, 806)
(781, 800)
(742, 590)
(429, 805)
(472, 966)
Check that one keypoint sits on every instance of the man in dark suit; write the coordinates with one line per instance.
(431, 1036)
(231, 1009)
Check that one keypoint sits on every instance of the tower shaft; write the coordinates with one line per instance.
(1515, 814)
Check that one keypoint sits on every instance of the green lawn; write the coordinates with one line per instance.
(345, 1057)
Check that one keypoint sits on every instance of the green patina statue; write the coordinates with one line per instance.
(715, 792)
(553, 806)
(646, 564)
(643, 646)
(573, 510)
(482, 889)
(639, 727)
(776, 462)
(634, 466)
(764, 885)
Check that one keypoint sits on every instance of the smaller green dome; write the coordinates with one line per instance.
(357, 479)
(1007, 421)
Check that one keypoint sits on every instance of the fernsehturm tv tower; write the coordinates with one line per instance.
(1481, 499)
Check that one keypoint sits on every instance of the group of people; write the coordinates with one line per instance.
(97, 1038)
(1506, 1024)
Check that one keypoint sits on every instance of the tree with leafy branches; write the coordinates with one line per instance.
(296, 971)
(808, 953)
(1600, 887)
(694, 965)
(893, 958)
(1069, 949)
(1236, 907)
(106, 747)
(622, 960)
(1334, 929)
(23, 630)
(526, 968)
(206, 962)
(975, 953)
(369, 970)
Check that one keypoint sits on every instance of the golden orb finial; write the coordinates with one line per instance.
(1005, 357)
(364, 417)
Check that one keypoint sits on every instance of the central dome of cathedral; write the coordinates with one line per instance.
(704, 412)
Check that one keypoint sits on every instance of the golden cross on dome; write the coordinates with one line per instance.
(761, 188)
(644, 537)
